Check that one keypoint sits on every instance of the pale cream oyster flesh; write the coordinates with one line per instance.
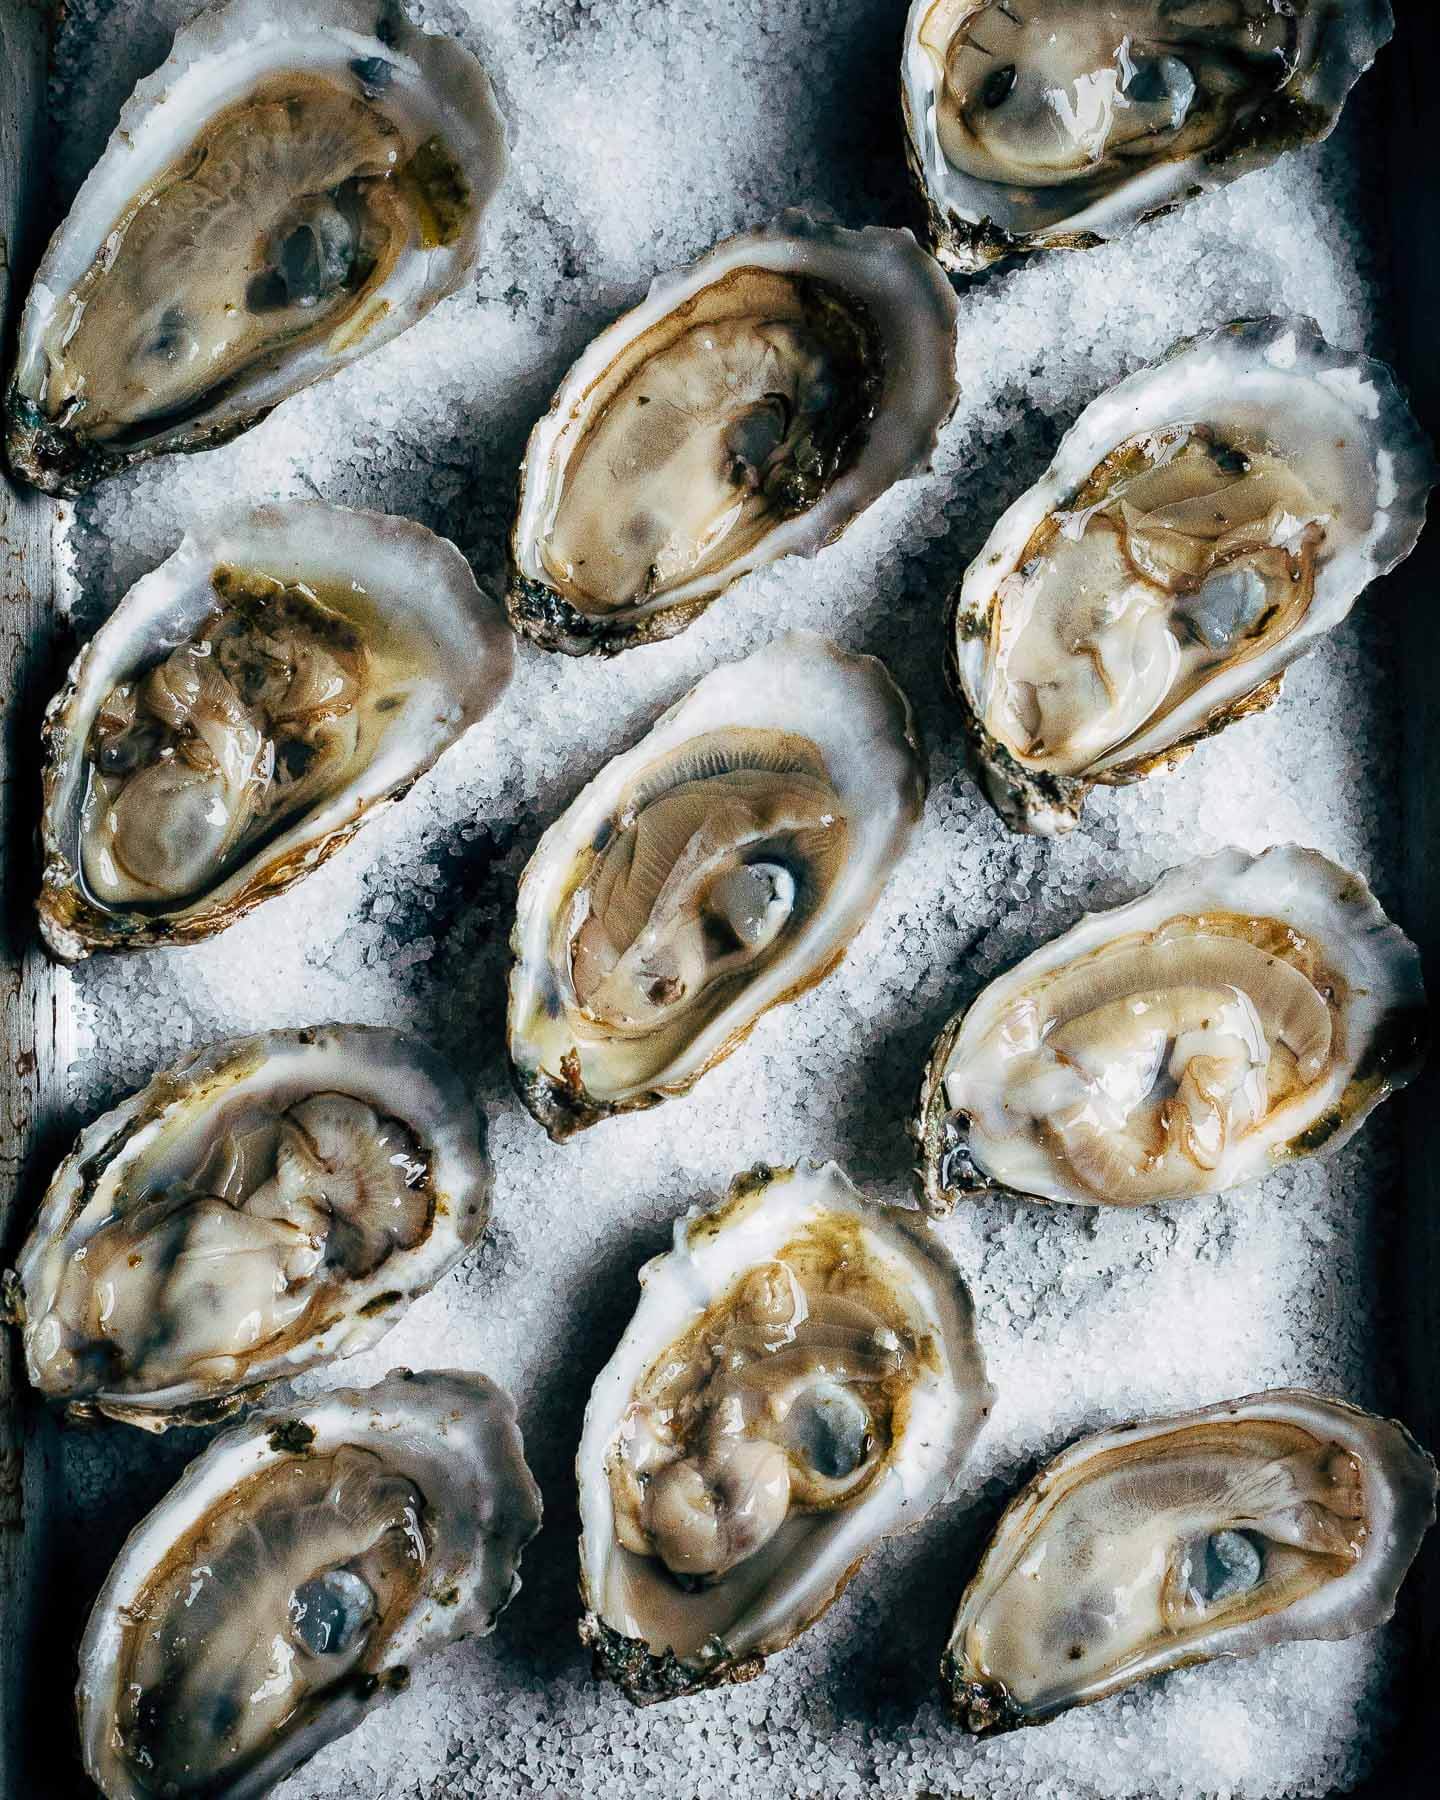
(295, 1577)
(800, 1380)
(1056, 124)
(270, 1203)
(718, 868)
(247, 706)
(1203, 524)
(1246, 1012)
(293, 187)
(1144, 1548)
(747, 409)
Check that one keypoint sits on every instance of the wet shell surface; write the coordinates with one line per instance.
(1204, 523)
(800, 1380)
(295, 1577)
(245, 709)
(748, 409)
(271, 1203)
(718, 868)
(1032, 125)
(1246, 1012)
(1218, 1533)
(293, 187)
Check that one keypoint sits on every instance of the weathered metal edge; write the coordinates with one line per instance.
(34, 997)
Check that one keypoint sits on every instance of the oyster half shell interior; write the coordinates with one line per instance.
(1204, 523)
(1248, 1011)
(294, 1578)
(271, 1203)
(719, 867)
(245, 708)
(1033, 125)
(1143, 1548)
(292, 187)
(747, 409)
(800, 1380)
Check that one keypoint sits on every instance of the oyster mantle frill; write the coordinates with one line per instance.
(1246, 1012)
(293, 187)
(800, 1380)
(718, 868)
(294, 1578)
(245, 709)
(270, 1203)
(1150, 1546)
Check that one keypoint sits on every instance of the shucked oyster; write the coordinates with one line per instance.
(293, 1579)
(1150, 1546)
(1247, 1011)
(271, 1203)
(800, 1380)
(1037, 125)
(247, 706)
(1204, 523)
(747, 409)
(292, 188)
(719, 867)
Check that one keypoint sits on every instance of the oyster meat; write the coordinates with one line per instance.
(295, 1577)
(1247, 1011)
(293, 187)
(1204, 523)
(747, 409)
(1146, 1547)
(719, 867)
(800, 1380)
(269, 1204)
(1036, 126)
(247, 706)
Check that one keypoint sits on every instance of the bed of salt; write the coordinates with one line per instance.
(642, 133)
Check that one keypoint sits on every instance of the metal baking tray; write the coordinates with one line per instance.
(54, 1542)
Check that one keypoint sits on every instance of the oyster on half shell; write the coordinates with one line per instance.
(1056, 124)
(293, 187)
(1218, 1533)
(245, 709)
(719, 867)
(1204, 523)
(1247, 1011)
(800, 1380)
(293, 1579)
(747, 409)
(270, 1203)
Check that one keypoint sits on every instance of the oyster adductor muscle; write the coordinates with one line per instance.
(800, 1380)
(291, 188)
(1246, 1012)
(269, 1204)
(1147, 1547)
(246, 708)
(716, 869)
(295, 1577)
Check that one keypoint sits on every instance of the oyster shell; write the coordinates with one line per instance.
(1031, 126)
(293, 187)
(1147, 1547)
(1203, 524)
(719, 867)
(800, 1380)
(1247, 1011)
(270, 1203)
(295, 1576)
(246, 707)
(749, 408)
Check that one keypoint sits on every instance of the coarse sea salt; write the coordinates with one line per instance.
(641, 134)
